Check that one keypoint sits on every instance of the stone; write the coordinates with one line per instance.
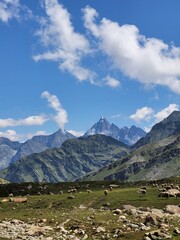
(71, 197)
(150, 220)
(117, 211)
(158, 234)
(176, 231)
(173, 209)
(100, 229)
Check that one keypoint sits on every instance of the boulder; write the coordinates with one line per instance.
(172, 209)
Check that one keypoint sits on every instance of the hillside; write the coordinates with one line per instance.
(40, 143)
(157, 160)
(75, 158)
(168, 127)
(8, 149)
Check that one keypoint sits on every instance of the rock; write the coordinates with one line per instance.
(127, 207)
(100, 229)
(150, 220)
(173, 209)
(71, 197)
(106, 204)
(157, 213)
(158, 234)
(176, 231)
(117, 211)
(19, 199)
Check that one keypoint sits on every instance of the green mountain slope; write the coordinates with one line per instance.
(75, 158)
(160, 159)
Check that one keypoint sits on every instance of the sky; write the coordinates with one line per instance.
(64, 64)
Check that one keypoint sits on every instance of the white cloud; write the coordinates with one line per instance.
(166, 112)
(142, 114)
(29, 121)
(147, 60)
(9, 9)
(61, 42)
(10, 134)
(76, 133)
(14, 136)
(61, 117)
(112, 82)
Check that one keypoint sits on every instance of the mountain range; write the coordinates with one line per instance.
(155, 156)
(11, 151)
(126, 135)
(101, 157)
(75, 158)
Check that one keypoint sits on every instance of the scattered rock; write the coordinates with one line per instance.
(117, 211)
(157, 234)
(173, 209)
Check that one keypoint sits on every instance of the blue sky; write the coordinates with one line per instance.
(64, 64)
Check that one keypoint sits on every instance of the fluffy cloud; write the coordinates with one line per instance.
(76, 133)
(61, 117)
(147, 60)
(149, 115)
(166, 112)
(29, 121)
(141, 114)
(9, 9)
(112, 82)
(10, 134)
(62, 43)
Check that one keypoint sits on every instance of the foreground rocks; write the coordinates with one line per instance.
(151, 223)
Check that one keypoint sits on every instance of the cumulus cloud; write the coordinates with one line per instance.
(9, 9)
(165, 112)
(62, 44)
(61, 117)
(147, 60)
(29, 121)
(149, 115)
(10, 134)
(112, 82)
(141, 114)
(76, 133)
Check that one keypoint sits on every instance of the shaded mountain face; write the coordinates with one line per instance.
(8, 149)
(157, 160)
(127, 135)
(40, 143)
(168, 127)
(75, 158)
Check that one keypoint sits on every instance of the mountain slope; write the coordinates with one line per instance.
(75, 158)
(157, 160)
(168, 127)
(127, 135)
(8, 149)
(40, 143)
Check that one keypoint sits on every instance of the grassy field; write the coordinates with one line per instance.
(86, 209)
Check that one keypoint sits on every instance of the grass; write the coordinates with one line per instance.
(85, 209)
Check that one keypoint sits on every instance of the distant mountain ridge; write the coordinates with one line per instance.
(40, 143)
(155, 156)
(126, 135)
(75, 158)
(8, 149)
